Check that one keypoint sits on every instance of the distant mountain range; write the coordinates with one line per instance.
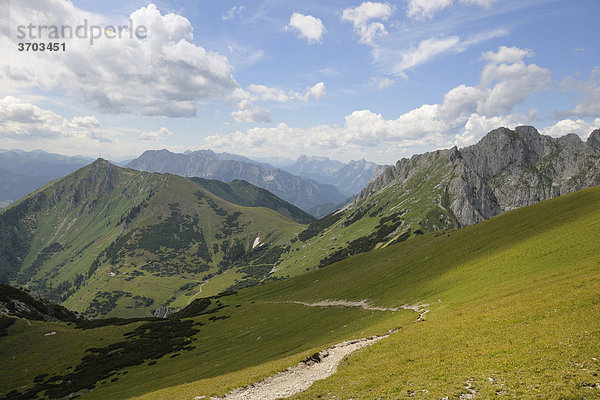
(21, 172)
(348, 178)
(245, 194)
(306, 183)
(303, 193)
(68, 239)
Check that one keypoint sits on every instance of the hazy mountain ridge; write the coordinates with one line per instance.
(301, 192)
(21, 172)
(349, 178)
(14, 186)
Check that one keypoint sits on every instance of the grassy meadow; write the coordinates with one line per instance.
(513, 306)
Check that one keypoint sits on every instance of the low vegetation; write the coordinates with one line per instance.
(107, 241)
(512, 312)
(402, 211)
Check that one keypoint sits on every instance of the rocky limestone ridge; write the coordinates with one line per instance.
(507, 169)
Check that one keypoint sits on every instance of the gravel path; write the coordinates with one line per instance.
(318, 366)
(364, 304)
(301, 376)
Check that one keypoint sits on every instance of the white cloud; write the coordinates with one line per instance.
(164, 74)
(380, 83)
(398, 62)
(330, 71)
(424, 9)
(427, 50)
(156, 136)
(360, 17)
(245, 100)
(308, 27)
(461, 100)
(22, 121)
(19, 120)
(365, 12)
(579, 127)
(266, 93)
(421, 9)
(481, 3)
(506, 55)
(464, 116)
(589, 106)
(514, 81)
(253, 114)
(27, 126)
(317, 91)
(232, 13)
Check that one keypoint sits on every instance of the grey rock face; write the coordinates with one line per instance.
(505, 170)
(404, 170)
(164, 312)
(594, 139)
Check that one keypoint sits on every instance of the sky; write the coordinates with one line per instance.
(343, 79)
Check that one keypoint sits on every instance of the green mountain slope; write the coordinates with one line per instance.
(392, 215)
(513, 299)
(245, 194)
(512, 307)
(16, 303)
(112, 241)
(451, 188)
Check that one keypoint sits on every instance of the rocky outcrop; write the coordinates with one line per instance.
(505, 170)
(164, 312)
(594, 139)
(406, 169)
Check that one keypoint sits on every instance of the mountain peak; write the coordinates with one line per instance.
(101, 164)
(570, 139)
(305, 158)
(527, 131)
(161, 151)
(594, 139)
(100, 161)
(522, 134)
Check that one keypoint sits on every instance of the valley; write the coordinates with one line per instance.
(492, 288)
(194, 288)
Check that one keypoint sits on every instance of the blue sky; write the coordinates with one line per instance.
(347, 80)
